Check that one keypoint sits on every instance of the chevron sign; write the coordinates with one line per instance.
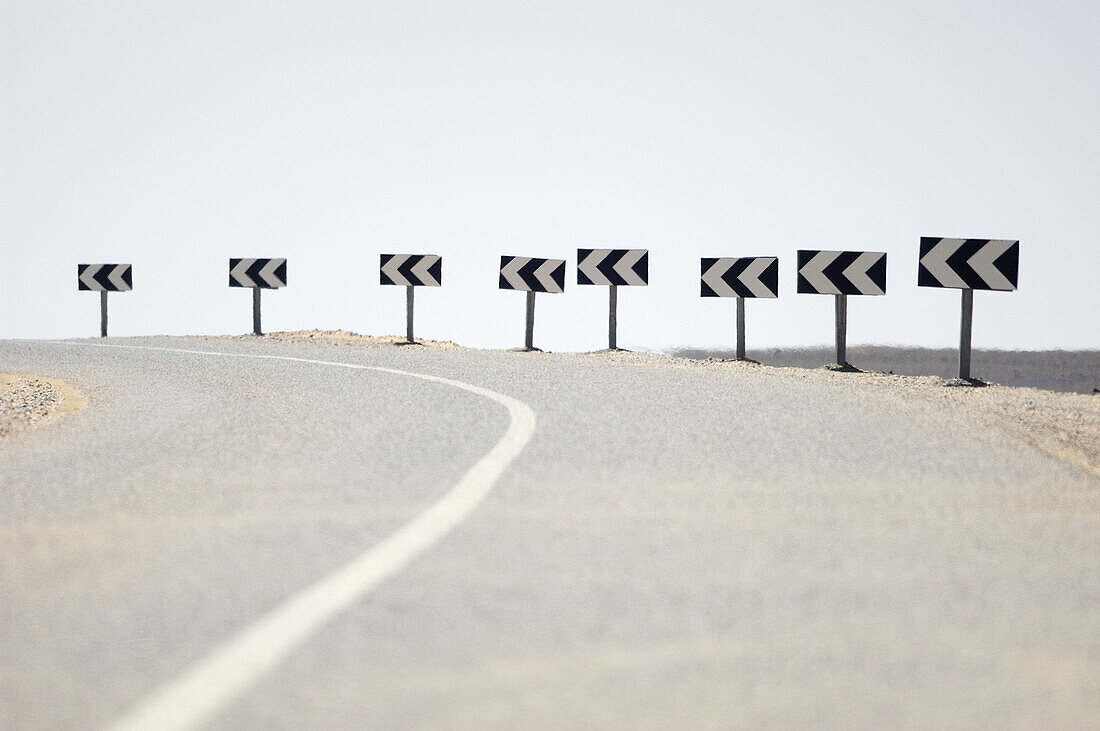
(412, 270)
(968, 263)
(104, 277)
(262, 273)
(753, 276)
(841, 272)
(531, 274)
(615, 267)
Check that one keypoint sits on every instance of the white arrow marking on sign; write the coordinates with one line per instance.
(935, 261)
(543, 275)
(267, 273)
(750, 277)
(420, 269)
(713, 278)
(510, 272)
(88, 277)
(239, 272)
(390, 268)
(814, 274)
(589, 265)
(857, 272)
(115, 278)
(982, 263)
(625, 266)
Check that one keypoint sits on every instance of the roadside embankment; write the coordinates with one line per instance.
(342, 337)
(1071, 371)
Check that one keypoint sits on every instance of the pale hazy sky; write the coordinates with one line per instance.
(174, 135)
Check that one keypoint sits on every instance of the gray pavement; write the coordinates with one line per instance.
(703, 544)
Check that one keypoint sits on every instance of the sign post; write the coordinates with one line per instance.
(257, 274)
(964, 333)
(612, 317)
(532, 275)
(841, 329)
(740, 328)
(842, 273)
(409, 271)
(613, 268)
(256, 330)
(746, 277)
(529, 337)
(968, 264)
(104, 278)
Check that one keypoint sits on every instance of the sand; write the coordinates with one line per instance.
(28, 401)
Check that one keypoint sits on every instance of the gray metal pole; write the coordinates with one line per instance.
(964, 333)
(529, 343)
(256, 311)
(841, 329)
(612, 324)
(409, 314)
(103, 313)
(740, 328)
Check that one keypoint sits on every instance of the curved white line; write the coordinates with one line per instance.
(231, 669)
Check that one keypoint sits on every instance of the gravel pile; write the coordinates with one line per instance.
(24, 402)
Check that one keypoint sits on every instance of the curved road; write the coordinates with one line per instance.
(530, 540)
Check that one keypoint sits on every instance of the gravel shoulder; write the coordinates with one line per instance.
(1065, 426)
(28, 401)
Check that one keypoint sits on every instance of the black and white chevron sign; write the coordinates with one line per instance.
(968, 263)
(752, 276)
(531, 274)
(262, 273)
(412, 270)
(104, 277)
(615, 267)
(841, 272)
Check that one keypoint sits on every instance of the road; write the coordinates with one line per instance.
(562, 540)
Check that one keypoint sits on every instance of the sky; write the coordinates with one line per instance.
(174, 136)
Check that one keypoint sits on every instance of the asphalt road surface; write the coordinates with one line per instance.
(530, 540)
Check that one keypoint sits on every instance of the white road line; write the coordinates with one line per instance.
(231, 669)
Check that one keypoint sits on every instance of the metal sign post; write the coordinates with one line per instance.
(740, 328)
(531, 275)
(740, 278)
(841, 330)
(964, 333)
(409, 271)
(104, 278)
(529, 341)
(613, 268)
(612, 317)
(841, 273)
(256, 330)
(257, 274)
(968, 264)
